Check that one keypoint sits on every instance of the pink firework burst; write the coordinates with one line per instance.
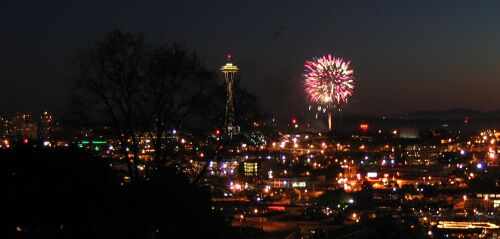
(329, 81)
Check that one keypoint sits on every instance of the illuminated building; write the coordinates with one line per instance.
(229, 71)
(19, 125)
(22, 125)
(485, 200)
(46, 127)
(251, 169)
(4, 126)
(407, 133)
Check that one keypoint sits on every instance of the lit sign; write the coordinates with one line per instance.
(371, 174)
(277, 208)
(363, 127)
(299, 184)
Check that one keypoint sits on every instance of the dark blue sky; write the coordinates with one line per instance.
(407, 55)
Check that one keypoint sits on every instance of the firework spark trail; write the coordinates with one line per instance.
(329, 82)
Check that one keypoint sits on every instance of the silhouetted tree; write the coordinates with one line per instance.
(109, 81)
(54, 193)
(334, 197)
(407, 189)
(177, 86)
(139, 88)
(365, 195)
(71, 194)
(330, 172)
(246, 105)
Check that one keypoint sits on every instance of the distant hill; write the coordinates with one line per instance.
(453, 114)
(453, 119)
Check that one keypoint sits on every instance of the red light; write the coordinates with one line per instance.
(277, 208)
(294, 121)
(363, 127)
(217, 132)
(25, 140)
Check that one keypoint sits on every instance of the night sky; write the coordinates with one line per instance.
(407, 55)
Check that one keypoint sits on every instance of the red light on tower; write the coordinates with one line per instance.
(363, 127)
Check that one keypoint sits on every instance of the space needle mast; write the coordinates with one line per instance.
(229, 71)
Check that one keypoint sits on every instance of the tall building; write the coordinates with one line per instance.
(4, 123)
(21, 125)
(229, 71)
(46, 127)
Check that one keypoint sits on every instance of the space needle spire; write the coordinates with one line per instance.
(229, 71)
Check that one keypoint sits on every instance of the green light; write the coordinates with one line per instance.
(96, 148)
(99, 142)
(94, 142)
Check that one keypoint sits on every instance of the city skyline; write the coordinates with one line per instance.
(250, 119)
(408, 56)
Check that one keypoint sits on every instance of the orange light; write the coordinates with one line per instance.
(363, 127)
